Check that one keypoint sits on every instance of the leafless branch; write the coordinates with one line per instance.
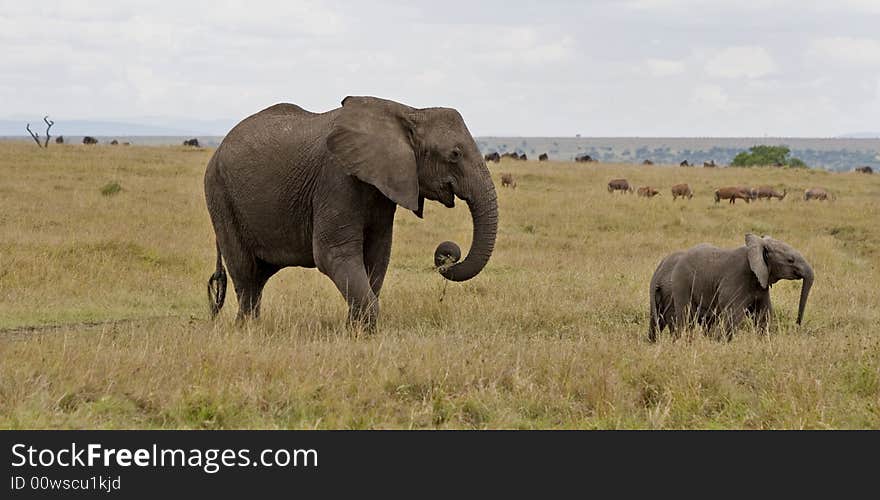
(49, 124)
(34, 135)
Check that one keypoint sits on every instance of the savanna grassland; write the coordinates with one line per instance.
(104, 315)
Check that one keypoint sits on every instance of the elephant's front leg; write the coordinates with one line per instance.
(377, 242)
(763, 310)
(377, 254)
(338, 249)
(350, 277)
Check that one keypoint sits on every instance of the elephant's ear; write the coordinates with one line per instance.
(755, 247)
(370, 138)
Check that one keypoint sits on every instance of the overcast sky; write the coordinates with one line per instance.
(550, 68)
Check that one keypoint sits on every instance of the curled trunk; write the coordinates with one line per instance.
(484, 212)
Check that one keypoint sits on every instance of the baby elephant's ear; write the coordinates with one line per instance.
(755, 247)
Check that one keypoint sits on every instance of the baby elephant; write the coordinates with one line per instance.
(706, 285)
(647, 192)
(508, 180)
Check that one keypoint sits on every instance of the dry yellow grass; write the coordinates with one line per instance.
(550, 335)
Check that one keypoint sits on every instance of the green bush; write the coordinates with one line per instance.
(111, 189)
(766, 156)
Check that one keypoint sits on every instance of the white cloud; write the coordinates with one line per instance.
(664, 67)
(712, 97)
(847, 51)
(746, 61)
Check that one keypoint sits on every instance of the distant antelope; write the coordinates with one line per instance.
(619, 185)
(817, 193)
(543, 157)
(681, 191)
(508, 180)
(732, 193)
(684, 164)
(647, 192)
(767, 192)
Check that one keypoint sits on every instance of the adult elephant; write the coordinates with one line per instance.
(288, 187)
(707, 285)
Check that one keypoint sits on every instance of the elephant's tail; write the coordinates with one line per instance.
(217, 286)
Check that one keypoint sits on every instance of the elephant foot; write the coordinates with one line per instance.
(363, 319)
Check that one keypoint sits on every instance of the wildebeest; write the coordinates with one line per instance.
(684, 164)
(709, 164)
(523, 157)
(647, 162)
(59, 139)
(865, 170)
(493, 156)
(114, 142)
(681, 190)
(619, 185)
(767, 192)
(89, 140)
(543, 157)
(647, 192)
(512, 156)
(126, 143)
(817, 193)
(192, 142)
(508, 180)
(584, 158)
(732, 193)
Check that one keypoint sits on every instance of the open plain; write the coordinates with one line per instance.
(104, 318)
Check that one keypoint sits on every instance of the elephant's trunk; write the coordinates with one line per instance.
(483, 204)
(805, 292)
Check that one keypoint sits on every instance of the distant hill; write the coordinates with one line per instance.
(861, 135)
(140, 127)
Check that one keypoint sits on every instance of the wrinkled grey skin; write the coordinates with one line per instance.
(707, 284)
(288, 187)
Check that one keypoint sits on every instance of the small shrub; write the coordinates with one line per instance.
(111, 188)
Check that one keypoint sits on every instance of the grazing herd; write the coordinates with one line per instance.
(729, 193)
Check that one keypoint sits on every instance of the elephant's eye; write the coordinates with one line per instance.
(455, 155)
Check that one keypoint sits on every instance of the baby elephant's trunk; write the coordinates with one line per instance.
(805, 292)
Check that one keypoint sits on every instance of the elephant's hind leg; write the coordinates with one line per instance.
(249, 287)
(248, 273)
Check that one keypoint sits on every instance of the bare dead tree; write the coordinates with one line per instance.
(34, 135)
(49, 124)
